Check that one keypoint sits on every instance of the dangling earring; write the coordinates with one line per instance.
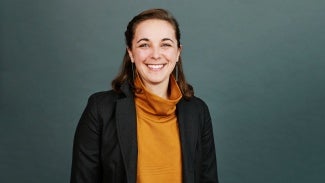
(176, 72)
(132, 66)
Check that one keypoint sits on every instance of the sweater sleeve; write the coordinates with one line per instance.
(86, 166)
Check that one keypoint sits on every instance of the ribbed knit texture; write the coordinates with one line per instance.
(159, 150)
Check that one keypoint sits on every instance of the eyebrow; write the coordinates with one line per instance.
(146, 39)
(143, 39)
(167, 39)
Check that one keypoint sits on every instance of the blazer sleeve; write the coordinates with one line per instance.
(208, 172)
(86, 166)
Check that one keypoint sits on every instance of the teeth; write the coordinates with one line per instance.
(155, 66)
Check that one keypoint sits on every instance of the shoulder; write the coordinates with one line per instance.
(101, 105)
(194, 109)
(194, 103)
(104, 99)
(111, 95)
(103, 96)
(196, 114)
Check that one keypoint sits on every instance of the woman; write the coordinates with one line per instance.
(150, 127)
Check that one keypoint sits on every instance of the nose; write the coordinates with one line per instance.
(155, 53)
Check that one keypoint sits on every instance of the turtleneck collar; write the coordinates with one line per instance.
(153, 104)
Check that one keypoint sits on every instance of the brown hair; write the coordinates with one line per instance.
(126, 72)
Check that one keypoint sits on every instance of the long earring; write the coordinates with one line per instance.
(176, 72)
(132, 66)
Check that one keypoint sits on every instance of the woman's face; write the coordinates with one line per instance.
(154, 51)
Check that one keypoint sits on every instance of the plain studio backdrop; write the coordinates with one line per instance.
(258, 64)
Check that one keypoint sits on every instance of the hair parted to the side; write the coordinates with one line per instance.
(126, 73)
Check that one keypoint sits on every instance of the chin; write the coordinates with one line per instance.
(156, 80)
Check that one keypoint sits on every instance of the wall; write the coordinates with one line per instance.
(258, 64)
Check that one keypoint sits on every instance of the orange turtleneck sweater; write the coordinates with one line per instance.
(159, 150)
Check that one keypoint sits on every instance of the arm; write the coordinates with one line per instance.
(86, 166)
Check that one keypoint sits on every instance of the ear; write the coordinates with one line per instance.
(179, 52)
(130, 54)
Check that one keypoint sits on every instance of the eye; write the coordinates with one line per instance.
(166, 45)
(144, 45)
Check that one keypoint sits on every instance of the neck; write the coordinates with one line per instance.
(160, 89)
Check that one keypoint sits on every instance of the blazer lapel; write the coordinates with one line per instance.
(188, 134)
(127, 135)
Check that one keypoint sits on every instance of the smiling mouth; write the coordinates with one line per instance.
(155, 66)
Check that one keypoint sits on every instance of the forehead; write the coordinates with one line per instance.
(154, 28)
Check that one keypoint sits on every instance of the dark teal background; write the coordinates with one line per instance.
(259, 65)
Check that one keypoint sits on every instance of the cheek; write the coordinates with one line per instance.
(172, 55)
(140, 55)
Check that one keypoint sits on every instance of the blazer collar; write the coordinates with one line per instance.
(127, 133)
(188, 129)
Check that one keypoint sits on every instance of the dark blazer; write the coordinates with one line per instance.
(105, 142)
